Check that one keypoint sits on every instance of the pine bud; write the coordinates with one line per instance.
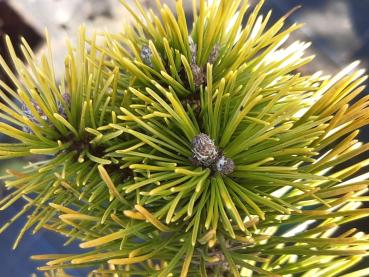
(193, 49)
(204, 150)
(197, 72)
(28, 114)
(66, 98)
(213, 57)
(198, 75)
(225, 165)
(146, 55)
(61, 109)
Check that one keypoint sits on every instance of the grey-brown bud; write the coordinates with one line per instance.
(204, 150)
(146, 55)
(193, 49)
(28, 114)
(225, 165)
(198, 75)
(61, 109)
(197, 71)
(213, 57)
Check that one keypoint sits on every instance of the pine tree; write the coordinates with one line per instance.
(177, 149)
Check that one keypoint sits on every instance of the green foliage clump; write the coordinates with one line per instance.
(176, 149)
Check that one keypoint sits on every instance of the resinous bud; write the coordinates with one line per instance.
(28, 114)
(204, 150)
(198, 75)
(193, 49)
(146, 55)
(61, 108)
(225, 165)
(213, 57)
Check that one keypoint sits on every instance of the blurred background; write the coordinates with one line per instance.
(338, 29)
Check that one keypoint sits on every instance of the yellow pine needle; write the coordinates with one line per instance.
(152, 219)
(131, 260)
(48, 256)
(66, 124)
(187, 261)
(96, 257)
(173, 207)
(62, 208)
(184, 171)
(75, 216)
(108, 181)
(208, 236)
(102, 240)
(134, 215)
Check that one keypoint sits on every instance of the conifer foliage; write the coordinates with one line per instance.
(180, 148)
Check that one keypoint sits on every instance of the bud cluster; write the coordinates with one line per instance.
(197, 71)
